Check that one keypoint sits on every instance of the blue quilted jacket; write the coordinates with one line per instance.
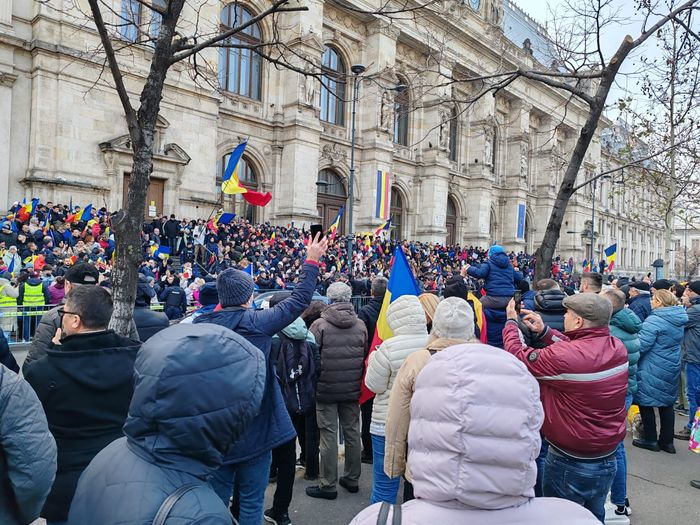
(625, 325)
(659, 366)
(196, 387)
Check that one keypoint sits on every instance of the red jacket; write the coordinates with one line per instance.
(583, 384)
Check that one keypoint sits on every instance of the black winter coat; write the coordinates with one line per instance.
(85, 386)
(171, 229)
(342, 338)
(548, 304)
(369, 315)
(149, 322)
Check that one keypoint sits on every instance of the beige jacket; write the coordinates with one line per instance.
(399, 415)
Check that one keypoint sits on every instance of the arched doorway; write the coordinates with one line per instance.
(493, 227)
(396, 214)
(248, 179)
(330, 197)
(451, 222)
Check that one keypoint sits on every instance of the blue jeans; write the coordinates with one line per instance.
(584, 482)
(251, 478)
(692, 388)
(384, 488)
(618, 490)
(56, 523)
(540, 467)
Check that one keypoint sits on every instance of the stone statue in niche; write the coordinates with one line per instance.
(524, 160)
(488, 146)
(385, 114)
(444, 142)
(309, 89)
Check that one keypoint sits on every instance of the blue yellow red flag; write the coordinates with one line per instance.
(611, 256)
(333, 230)
(383, 194)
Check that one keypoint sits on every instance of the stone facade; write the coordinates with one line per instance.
(63, 135)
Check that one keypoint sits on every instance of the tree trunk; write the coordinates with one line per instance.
(545, 253)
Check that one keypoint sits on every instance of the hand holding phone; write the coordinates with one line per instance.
(316, 229)
(518, 299)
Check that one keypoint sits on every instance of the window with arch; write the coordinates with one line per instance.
(401, 117)
(454, 129)
(396, 214)
(330, 183)
(451, 221)
(333, 87)
(240, 70)
(330, 198)
(248, 179)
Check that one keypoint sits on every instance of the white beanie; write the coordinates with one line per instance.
(453, 319)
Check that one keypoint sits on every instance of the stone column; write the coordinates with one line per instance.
(6, 12)
(6, 81)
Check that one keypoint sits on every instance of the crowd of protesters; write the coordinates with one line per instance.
(191, 421)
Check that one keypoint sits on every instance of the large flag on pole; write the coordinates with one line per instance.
(333, 230)
(383, 227)
(383, 195)
(231, 185)
(611, 256)
(401, 282)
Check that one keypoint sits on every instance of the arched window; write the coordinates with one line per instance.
(453, 134)
(333, 88)
(396, 213)
(401, 117)
(330, 197)
(248, 178)
(451, 222)
(240, 70)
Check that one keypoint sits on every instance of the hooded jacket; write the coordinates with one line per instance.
(641, 305)
(625, 325)
(660, 361)
(27, 452)
(85, 386)
(583, 385)
(298, 331)
(406, 319)
(195, 390)
(272, 426)
(399, 410)
(498, 273)
(342, 339)
(691, 339)
(549, 304)
(459, 475)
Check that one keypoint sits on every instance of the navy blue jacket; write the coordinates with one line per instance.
(272, 426)
(499, 275)
(659, 367)
(195, 388)
(641, 305)
(6, 357)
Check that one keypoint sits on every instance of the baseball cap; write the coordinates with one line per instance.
(82, 273)
(590, 306)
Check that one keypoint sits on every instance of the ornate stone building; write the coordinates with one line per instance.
(470, 173)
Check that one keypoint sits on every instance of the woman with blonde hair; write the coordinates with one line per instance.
(659, 370)
(429, 302)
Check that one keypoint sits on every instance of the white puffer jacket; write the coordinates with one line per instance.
(406, 319)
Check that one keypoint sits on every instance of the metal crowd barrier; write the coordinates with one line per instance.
(359, 301)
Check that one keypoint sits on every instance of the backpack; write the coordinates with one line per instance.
(297, 374)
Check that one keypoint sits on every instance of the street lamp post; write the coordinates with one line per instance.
(357, 70)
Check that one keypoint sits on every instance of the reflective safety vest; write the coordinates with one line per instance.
(5, 300)
(33, 295)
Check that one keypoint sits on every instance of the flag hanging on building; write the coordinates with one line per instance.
(383, 227)
(401, 282)
(611, 256)
(383, 195)
(230, 184)
(333, 230)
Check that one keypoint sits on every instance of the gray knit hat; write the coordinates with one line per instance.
(235, 287)
(453, 319)
(339, 293)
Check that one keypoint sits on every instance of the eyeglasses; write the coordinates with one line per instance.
(62, 311)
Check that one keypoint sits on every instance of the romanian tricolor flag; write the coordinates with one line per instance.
(27, 209)
(333, 230)
(586, 265)
(401, 282)
(83, 215)
(611, 256)
(383, 227)
(231, 185)
(383, 194)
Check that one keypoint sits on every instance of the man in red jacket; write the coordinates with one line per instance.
(583, 383)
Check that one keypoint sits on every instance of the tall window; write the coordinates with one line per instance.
(130, 20)
(333, 88)
(453, 134)
(396, 211)
(247, 178)
(156, 19)
(401, 108)
(240, 70)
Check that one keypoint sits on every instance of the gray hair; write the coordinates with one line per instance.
(379, 285)
(339, 293)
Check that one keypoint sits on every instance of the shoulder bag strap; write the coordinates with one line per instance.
(170, 502)
(396, 518)
(383, 513)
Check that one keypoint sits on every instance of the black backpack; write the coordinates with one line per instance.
(297, 374)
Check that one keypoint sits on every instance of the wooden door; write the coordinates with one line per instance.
(328, 207)
(451, 229)
(154, 199)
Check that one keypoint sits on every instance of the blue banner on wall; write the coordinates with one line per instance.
(521, 221)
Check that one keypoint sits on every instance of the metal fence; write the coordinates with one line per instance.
(359, 301)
